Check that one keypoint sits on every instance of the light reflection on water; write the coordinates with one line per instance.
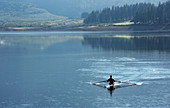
(54, 69)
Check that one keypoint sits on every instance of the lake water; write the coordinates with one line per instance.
(56, 69)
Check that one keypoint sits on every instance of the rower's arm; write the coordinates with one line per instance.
(108, 80)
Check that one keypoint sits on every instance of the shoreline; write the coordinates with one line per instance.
(91, 28)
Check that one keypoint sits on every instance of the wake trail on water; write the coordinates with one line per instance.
(125, 68)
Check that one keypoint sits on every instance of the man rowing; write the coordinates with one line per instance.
(111, 80)
(111, 83)
(114, 84)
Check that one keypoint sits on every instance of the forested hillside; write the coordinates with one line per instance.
(143, 13)
(115, 14)
(154, 14)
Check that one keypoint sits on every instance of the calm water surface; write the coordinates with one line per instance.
(55, 69)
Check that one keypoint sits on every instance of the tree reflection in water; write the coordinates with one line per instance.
(125, 42)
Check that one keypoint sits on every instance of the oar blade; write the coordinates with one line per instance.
(140, 83)
(96, 83)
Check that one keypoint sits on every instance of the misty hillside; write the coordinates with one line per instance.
(14, 13)
(25, 11)
(74, 8)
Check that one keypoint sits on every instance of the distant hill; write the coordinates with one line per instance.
(40, 13)
(14, 13)
(74, 8)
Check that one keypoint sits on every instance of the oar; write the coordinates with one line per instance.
(131, 83)
(97, 83)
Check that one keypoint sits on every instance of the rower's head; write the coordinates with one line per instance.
(110, 76)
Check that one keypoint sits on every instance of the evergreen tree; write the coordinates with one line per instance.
(84, 14)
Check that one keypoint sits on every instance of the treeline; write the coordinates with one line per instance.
(115, 14)
(142, 13)
(154, 14)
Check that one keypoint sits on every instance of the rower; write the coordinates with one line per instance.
(111, 80)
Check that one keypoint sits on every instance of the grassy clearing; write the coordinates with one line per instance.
(124, 23)
(124, 36)
(43, 23)
(110, 24)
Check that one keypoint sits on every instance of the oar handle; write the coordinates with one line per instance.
(101, 81)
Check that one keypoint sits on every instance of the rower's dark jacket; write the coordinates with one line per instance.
(111, 81)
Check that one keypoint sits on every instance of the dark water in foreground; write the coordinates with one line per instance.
(54, 69)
